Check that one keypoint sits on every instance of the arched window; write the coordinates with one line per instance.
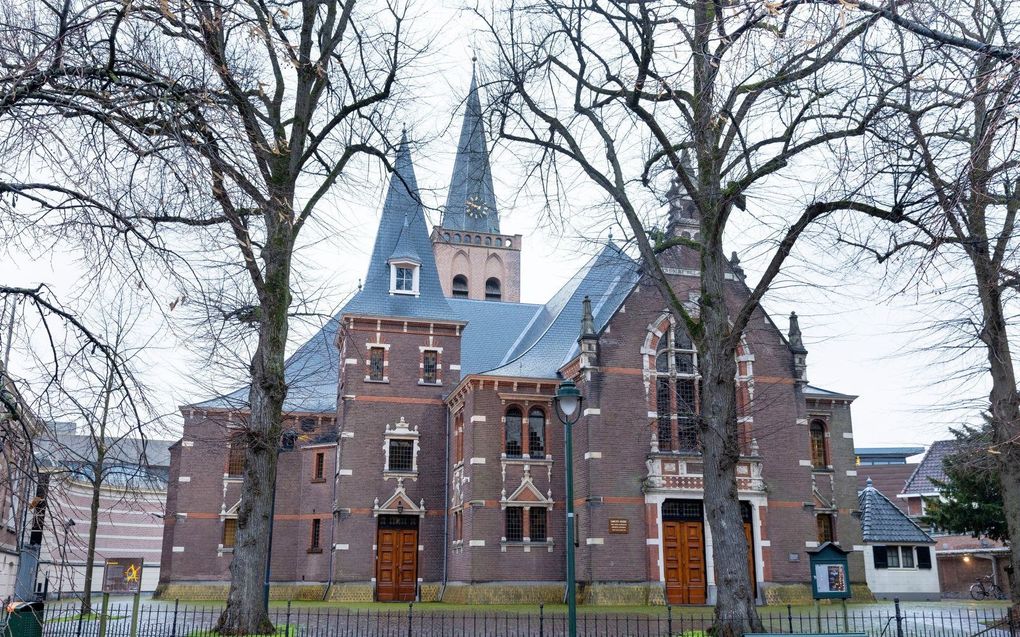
(493, 289)
(536, 433)
(460, 286)
(819, 447)
(677, 391)
(512, 441)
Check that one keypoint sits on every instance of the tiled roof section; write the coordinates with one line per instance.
(472, 175)
(550, 341)
(887, 478)
(492, 329)
(882, 521)
(312, 374)
(930, 467)
(402, 228)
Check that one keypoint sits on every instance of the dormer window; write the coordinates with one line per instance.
(404, 277)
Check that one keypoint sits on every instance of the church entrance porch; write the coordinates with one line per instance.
(396, 565)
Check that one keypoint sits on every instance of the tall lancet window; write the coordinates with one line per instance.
(677, 391)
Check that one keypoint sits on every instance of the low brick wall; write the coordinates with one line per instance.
(217, 591)
(800, 594)
(623, 594)
(503, 593)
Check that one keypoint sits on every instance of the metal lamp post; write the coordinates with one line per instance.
(568, 410)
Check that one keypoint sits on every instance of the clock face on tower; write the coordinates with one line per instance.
(475, 208)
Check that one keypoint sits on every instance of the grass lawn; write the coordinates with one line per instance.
(281, 631)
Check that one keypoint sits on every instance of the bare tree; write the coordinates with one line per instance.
(623, 93)
(230, 119)
(949, 160)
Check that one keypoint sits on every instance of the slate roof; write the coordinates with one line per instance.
(930, 467)
(402, 228)
(550, 341)
(472, 174)
(883, 522)
(312, 373)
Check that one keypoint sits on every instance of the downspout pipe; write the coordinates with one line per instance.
(446, 502)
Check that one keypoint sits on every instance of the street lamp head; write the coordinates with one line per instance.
(568, 401)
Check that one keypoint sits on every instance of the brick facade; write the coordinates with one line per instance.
(478, 495)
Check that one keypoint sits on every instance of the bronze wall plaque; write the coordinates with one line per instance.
(619, 525)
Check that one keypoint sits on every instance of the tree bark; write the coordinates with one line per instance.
(735, 612)
(245, 613)
(1004, 405)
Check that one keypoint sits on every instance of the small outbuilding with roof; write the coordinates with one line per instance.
(898, 560)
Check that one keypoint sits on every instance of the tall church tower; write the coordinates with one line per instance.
(475, 260)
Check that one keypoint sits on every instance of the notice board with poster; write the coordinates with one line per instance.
(122, 575)
(830, 575)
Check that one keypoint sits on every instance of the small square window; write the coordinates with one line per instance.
(401, 455)
(376, 363)
(514, 524)
(430, 365)
(405, 279)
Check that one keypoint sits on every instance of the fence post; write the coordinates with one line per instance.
(1011, 617)
(410, 617)
(134, 613)
(899, 618)
(102, 616)
(669, 620)
(789, 616)
(173, 628)
(286, 624)
(541, 620)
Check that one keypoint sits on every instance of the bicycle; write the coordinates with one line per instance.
(984, 588)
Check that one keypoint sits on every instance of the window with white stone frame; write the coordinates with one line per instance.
(430, 369)
(404, 277)
(400, 450)
(526, 514)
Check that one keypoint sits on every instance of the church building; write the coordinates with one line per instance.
(424, 459)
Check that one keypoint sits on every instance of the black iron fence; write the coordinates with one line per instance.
(176, 619)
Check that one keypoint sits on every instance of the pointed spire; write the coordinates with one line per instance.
(471, 200)
(683, 214)
(735, 265)
(796, 340)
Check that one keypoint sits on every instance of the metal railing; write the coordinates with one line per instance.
(178, 619)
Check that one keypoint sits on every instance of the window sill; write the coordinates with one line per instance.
(234, 478)
(438, 383)
(822, 470)
(400, 474)
(381, 381)
(525, 459)
(315, 550)
(228, 549)
(318, 480)
(405, 292)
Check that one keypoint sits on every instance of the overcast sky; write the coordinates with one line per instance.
(862, 337)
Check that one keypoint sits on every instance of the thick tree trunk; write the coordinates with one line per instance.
(735, 612)
(1004, 405)
(245, 612)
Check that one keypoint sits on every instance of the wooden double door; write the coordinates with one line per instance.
(683, 549)
(396, 564)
